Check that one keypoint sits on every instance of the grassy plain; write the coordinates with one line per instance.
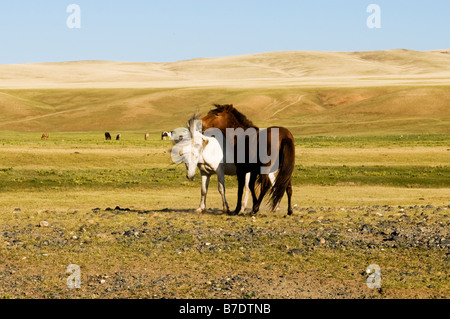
(124, 213)
(85, 162)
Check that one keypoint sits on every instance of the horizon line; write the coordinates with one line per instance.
(224, 56)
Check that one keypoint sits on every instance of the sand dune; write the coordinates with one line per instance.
(286, 68)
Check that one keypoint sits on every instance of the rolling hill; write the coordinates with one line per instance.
(394, 91)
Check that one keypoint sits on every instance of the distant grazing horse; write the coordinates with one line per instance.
(107, 136)
(165, 135)
(146, 136)
(226, 116)
(44, 136)
(118, 137)
(206, 153)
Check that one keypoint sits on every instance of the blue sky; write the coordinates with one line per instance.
(172, 30)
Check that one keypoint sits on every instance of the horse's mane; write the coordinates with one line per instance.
(195, 116)
(192, 125)
(241, 119)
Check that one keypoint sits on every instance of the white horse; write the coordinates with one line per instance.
(165, 135)
(207, 154)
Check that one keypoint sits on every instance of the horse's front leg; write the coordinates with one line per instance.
(221, 185)
(246, 193)
(205, 183)
(241, 184)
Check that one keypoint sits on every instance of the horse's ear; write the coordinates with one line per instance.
(229, 107)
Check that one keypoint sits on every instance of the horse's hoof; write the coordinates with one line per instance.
(199, 211)
(290, 211)
(254, 211)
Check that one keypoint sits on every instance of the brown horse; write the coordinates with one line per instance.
(226, 117)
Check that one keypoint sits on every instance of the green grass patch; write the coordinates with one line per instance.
(398, 176)
(401, 176)
(363, 141)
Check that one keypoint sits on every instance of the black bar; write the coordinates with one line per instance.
(223, 308)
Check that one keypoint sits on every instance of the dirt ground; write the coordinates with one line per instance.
(319, 252)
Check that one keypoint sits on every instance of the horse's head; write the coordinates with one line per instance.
(225, 116)
(194, 154)
(188, 150)
(220, 117)
(193, 146)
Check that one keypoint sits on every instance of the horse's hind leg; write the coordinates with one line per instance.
(289, 196)
(221, 186)
(264, 189)
(272, 179)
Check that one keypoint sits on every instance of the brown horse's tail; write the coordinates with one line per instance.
(286, 168)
